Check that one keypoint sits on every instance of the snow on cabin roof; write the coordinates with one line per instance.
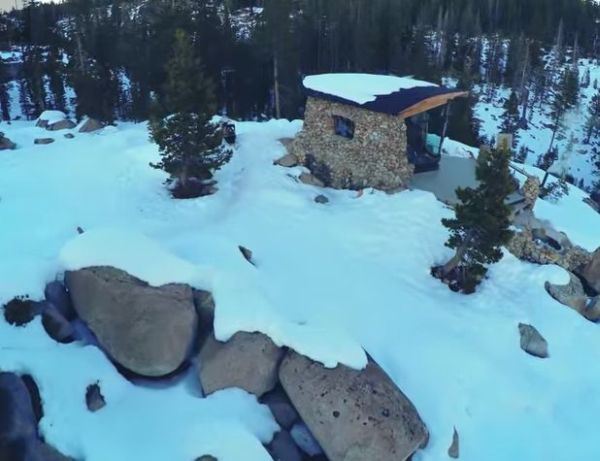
(379, 93)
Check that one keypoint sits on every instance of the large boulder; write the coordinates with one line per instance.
(591, 272)
(90, 125)
(148, 330)
(355, 415)
(6, 144)
(572, 294)
(64, 124)
(532, 341)
(248, 361)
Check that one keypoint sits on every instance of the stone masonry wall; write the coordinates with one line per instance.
(375, 157)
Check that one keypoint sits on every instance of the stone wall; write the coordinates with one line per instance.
(375, 157)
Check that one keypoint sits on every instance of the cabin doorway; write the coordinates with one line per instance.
(425, 134)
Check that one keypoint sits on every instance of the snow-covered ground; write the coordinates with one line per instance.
(329, 280)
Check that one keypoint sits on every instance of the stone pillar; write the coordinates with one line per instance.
(531, 191)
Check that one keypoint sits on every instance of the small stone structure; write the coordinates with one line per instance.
(360, 130)
(531, 191)
(375, 157)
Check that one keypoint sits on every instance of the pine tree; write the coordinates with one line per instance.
(4, 98)
(190, 145)
(511, 117)
(592, 124)
(482, 219)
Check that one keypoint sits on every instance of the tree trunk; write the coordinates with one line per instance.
(276, 81)
(456, 260)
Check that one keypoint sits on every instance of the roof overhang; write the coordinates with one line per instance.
(431, 103)
(411, 97)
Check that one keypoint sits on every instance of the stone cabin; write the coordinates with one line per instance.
(363, 130)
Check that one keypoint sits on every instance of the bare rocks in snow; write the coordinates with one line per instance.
(148, 330)
(248, 361)
(454, 449)
(287, 161)
(91, 125)
(591, 273)
(532, 341)
(247, 254)
(94, 399)
(321, 199)
(5, 143)
(64, 124)
(43, 141)
(574, 296)
(310, 180)
(354, 414)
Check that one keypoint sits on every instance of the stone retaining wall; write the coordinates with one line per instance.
(375, 157)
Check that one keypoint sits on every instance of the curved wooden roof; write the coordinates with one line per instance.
(404, 102)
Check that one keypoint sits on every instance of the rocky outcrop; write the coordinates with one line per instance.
(354, 414)
(539, 248)
(571, 294)
(591, 272)
(248, 361)
(90, 125)
(148, 330)
(532, 341)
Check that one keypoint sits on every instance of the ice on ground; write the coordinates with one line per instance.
(360, 88)
(329, 281)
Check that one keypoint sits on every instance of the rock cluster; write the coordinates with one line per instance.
(341, 414)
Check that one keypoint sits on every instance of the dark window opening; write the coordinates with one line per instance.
(343, 127)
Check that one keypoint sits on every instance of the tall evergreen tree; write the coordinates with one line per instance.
(511, 117)
(190, 145)
(482, 220)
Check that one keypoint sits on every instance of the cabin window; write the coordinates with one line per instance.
(343, 127)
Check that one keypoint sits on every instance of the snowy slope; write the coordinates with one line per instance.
(329, 280)
(577, 156)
